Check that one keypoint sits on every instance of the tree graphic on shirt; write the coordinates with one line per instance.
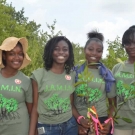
(8, 107)
(57, 104)
(125, 91)
(92, 94)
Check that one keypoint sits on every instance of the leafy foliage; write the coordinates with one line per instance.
(116, 53)
(14, 23)
(82, 88)
(78, 53)
(125, 92)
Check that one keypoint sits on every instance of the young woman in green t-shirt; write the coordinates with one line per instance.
(52, 90)
(101, 82)
(15, 87)
(125, 76)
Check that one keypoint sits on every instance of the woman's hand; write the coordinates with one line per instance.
(82, 130)
(85, 123)
(106, 128)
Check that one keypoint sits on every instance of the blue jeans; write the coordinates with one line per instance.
(66, 128)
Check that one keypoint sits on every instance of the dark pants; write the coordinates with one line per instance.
(67, 128)
(102, 119)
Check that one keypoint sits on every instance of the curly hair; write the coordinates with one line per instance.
(49, 48)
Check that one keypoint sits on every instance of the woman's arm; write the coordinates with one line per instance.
(34, 114)
(29, 107)
(84, 122)
(112, 106)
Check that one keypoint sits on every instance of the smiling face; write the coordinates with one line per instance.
(130, 45)
(130, 49)
(128, 42)
(14, 58)
(93, 51)
(61, 52)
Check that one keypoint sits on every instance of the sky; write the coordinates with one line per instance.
(75, 18)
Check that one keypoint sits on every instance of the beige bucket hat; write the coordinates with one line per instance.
(9, 43)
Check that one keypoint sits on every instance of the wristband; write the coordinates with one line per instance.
(80, 117)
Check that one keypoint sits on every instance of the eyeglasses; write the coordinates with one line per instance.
(129, 45)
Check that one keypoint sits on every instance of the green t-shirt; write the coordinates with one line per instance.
(97, 96)
(124, 75)
(54, 95)
(14, 93)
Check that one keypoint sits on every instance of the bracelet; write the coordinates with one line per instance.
(80, 117)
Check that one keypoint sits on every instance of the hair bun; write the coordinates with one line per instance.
(95, 34)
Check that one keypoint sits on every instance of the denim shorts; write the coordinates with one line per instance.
(66, 128)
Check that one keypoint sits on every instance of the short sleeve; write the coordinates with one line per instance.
(37, 76)
(28, 93)
(112, 92)
(33, 77)
(115, 68)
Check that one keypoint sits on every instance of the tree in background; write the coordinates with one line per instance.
(14, 23)
(78, 53)
(8, 25)
(116, 53)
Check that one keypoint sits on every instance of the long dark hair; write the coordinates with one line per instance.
(49, 48)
